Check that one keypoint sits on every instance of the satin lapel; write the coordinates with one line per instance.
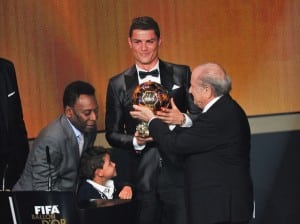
(166, 75)
(131, 81)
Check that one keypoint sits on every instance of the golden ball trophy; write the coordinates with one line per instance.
(154, 96)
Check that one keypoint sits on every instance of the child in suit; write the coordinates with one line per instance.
(98, 172)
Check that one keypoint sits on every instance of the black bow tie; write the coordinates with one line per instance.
(152, 73)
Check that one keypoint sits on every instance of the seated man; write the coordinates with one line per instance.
(53, 161)
(97, 171)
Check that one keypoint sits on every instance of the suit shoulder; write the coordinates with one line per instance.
(56, 129)
(86, 191)
(122, 74)
(85, 186)
(179, 66)
(229, 106)
(116, 78)
(5, 62)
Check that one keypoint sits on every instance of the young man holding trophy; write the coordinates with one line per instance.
(158, 178)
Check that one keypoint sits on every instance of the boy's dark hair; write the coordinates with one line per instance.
(92, 159)
(74, 90)
(144, 23)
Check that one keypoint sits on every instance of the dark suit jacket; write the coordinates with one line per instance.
(86, 191)
(216, 150)
(64, 155)
(120, 126)
(14, 146)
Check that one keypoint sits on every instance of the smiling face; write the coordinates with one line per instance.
(83, 115)
(144, 45)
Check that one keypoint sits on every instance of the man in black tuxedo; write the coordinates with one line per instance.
(216, 150)
(14, 146)
(158, 178)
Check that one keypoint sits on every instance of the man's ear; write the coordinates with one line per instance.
(209, 93)
(68, 111)
(159, 41)
(129, 42)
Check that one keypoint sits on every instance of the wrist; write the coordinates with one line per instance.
(183, 119)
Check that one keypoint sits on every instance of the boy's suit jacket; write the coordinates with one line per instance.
(86, 191)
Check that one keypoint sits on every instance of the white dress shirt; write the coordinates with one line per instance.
(108, 189)
(79, 137)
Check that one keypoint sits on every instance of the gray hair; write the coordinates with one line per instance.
(219, 86)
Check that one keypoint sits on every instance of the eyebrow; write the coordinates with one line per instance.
(152, 39)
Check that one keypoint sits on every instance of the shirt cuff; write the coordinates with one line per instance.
(188, 122)
(136, 146)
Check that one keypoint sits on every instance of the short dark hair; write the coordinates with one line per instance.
(144, 23)
(92, 159)
(74, 90)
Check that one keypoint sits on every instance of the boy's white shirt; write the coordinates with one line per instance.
(108, 189)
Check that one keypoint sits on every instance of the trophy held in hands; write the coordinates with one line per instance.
(154, 96)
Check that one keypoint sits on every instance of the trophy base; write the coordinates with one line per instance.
(143, 129)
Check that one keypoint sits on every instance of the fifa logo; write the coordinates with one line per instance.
(47, 214)
(46, 210)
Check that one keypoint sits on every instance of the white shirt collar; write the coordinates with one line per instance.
(75, 130)
(108, 189)
(149, 78)
(210, 103)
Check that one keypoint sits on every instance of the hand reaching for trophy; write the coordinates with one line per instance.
(170, 115)
(147, 99)
(142, 113)
(152, 100)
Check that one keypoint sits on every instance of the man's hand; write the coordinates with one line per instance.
(170, 115)
(125, 193)
(142, 140)
(142, 113)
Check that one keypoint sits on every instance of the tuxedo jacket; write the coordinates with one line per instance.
(120, 126)
(63, 146)
(14, 146)
(216, 151)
